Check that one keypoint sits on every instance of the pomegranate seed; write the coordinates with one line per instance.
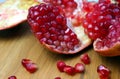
(29, 65)
(69, 70)
(85, 58)
(104, 72)
(57, 77)
(61, 65)
(12, 77)
(79, 68)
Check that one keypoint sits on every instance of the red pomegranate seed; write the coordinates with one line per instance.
(85, 58)
(104, 72)
(57, 77)
(79, 68)
(12, 77)
(61, 65)
(29, 65)
(69, 70)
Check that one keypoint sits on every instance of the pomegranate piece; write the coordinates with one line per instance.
(102, 25)
(12, 77)
(55, 31)
(14, 12)
(79, 68)
(61, 65)
(85, 58)
(57, 77)
(104, 72)
(29, 65)
(69, 70)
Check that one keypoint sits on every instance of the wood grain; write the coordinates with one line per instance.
(18, 43)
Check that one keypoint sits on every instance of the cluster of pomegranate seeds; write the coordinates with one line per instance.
(50, 27)
(67, 6)
(70, 70)
(87, 6)
(12, 77)
(111, 38)
(104, 72)
(29, 65)
(85, 58)
(98, 21)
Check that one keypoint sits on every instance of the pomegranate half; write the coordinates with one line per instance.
(102, 24)
(57, 25)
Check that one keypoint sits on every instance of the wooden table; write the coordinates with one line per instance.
(18, 43)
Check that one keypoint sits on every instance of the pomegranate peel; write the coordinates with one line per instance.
(14, 12)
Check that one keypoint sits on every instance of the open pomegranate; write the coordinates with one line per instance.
(13, 12)
(57, 25)
(102, 24)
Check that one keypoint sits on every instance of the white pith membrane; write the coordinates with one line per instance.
(84, 40)
(13, 12)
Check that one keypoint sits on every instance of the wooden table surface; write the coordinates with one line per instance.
(18, 43)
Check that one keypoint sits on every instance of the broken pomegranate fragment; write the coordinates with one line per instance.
(13, 12)
(29, 65)
(12, 77)
(85, 58)
(102, 25)
(104, 72)
(55, 30)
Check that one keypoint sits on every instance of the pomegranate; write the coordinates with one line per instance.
(13, 12)
(52, 24)
(104, 72)
(102, 24)
(29, 65)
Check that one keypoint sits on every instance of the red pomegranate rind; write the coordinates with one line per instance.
(29, 65)
(54, 31)
(12, 14)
